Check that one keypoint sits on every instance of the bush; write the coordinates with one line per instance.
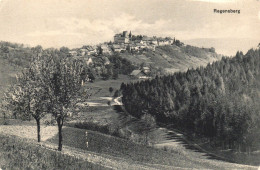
(92, 126)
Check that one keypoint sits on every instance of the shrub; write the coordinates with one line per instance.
(92, 126)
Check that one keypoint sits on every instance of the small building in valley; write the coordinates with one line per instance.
(138, 74)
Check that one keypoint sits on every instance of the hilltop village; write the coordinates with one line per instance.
(124, 42)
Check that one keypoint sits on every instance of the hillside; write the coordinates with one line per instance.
(168, 59)
(7, 75)
(218, 103)
(173, 58)
(103, 151)
(115, 147)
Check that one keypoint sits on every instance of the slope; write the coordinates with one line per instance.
(109, 151)
(173, 58)
(7, 75)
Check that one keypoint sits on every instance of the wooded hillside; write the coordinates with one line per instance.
(220, 101)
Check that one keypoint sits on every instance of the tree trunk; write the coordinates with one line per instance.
(38, 130)
(248, 149)
(60, 134)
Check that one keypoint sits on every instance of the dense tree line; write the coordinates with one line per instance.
(219, 102)
(121, 65)
(15, 54)
(117, 65)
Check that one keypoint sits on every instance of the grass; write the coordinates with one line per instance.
(132, 152)
(201, 143)
(239, 157)
(116, 147)
(106, 147)
(19, 153)
(100, 88)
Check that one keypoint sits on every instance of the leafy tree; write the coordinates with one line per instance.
(64, 50)
(212, 49)
(61, 77)
(148, 124)
(27, 98)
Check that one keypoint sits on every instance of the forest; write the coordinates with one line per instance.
(219, 102)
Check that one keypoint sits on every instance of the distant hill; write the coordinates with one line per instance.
(7, 75)
(169, 58)
(13, 57)
(225, 46)
(173, 58)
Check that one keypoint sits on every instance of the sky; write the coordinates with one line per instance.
(73, 23)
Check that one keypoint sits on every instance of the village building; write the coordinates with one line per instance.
(73, 53)
(83, 52)
(122, 38)
(133, 47)
(88, 50)
(106, 61)
(170, 40)
(139, 42)
(147, 40)
(146, 70)
(140, 46)
(138, 74)
(119, 48)
(89, 61)
(106, 49)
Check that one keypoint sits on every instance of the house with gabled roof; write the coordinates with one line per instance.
(88, 50)
(119, 48)
(146, 70)
(73, 53)
(106, 49)
(138, 74)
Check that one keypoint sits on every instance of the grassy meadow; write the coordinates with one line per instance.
(20, 153)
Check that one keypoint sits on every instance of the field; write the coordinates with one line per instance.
(20, 153)
(100, 88)
(103, 151)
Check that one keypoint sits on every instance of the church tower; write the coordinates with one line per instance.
(130, 36)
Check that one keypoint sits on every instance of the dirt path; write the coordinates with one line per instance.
(176, 141)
